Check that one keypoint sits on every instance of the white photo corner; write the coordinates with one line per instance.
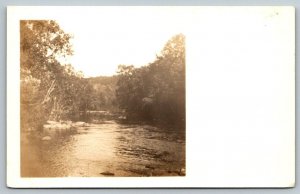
(117, 97)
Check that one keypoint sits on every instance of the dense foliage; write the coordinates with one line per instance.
(53, 91)
(156, 92)
(103, 93)
(49, 90)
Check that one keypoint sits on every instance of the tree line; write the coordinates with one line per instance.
(52, 91)
(155, 92)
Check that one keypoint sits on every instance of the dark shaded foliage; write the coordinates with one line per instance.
(49, 90)
(103, 93)
(155, 92)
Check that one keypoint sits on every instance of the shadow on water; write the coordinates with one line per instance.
(154, 151)
(105, 148)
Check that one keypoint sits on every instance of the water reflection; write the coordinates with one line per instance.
(108, 149)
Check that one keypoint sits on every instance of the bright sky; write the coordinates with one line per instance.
(105, 38)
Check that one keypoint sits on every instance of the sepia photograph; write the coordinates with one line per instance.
(150, 96)
(100, 101)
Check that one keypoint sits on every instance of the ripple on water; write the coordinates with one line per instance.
(107, 148)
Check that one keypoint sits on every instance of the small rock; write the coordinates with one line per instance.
(182, 172)
(51, 122)
(106, 173)
(47, 126)
(85, 125)
(79, 124)
(150, 167)
(46, 138)
(162, 154)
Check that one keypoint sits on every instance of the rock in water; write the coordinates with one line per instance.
(47, 126)
(150, 167)
(182, 172)
(46, 138)
(106, 173)
(51, 122)
(79, 124)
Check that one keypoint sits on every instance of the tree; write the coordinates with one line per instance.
(48, 88)
(156, 92)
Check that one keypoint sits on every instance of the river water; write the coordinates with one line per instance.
(106, 149)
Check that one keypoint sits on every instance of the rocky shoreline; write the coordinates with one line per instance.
(52, 128)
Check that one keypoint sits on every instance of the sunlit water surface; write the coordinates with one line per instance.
(108, 149)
